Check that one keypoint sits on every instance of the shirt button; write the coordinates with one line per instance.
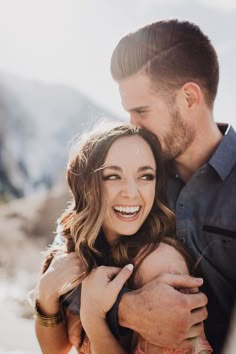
(181, 205)
(182, 239)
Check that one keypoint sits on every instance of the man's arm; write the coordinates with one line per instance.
(163, 315)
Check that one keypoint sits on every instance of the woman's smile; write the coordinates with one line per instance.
(128, 213)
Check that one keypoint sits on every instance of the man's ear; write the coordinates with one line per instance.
(192, 94)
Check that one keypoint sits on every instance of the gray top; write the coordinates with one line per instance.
(205, 210)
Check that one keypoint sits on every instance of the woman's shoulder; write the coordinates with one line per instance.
(164, 259)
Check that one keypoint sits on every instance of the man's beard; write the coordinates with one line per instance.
(180, 137)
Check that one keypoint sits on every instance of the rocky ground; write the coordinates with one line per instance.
(27, 227)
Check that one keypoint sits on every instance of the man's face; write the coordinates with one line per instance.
(157, 113)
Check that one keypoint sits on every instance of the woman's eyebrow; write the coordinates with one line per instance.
(144, 168)
(140, 169)
(112, 167)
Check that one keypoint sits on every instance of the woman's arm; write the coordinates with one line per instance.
(98, 295)
(164, 259)
(101, 339)
(58, 279)
(53, 340)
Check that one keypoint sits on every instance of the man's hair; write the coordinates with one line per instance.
(171, 53)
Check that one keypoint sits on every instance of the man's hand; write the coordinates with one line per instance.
(163, 315)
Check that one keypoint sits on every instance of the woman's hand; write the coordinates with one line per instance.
(61, 277)
(100, 290)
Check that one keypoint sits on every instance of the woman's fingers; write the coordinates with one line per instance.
(118, 282)
(62, 275)
(101, 288)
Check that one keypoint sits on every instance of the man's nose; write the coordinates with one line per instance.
(134, 119)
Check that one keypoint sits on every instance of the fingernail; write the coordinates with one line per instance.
(130, 267)
(199, 280)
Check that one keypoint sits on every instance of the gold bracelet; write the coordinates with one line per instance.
(47, 321)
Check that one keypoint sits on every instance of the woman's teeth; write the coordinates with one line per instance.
(127, 211)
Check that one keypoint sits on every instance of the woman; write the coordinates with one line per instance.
(117, 217)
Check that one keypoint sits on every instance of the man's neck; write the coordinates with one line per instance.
(199, 152)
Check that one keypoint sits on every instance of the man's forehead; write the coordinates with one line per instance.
(134, 82)
(134, 91)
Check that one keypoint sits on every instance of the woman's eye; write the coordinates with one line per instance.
(148, 177)
(111, 177)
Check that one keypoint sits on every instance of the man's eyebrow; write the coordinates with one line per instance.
(136, 109)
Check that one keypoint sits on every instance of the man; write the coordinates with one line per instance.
(167, 74)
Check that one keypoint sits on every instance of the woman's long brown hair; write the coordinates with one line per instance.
(82, 222)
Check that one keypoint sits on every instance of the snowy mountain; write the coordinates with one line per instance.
(36, 122)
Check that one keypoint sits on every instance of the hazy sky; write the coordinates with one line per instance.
(71, 41)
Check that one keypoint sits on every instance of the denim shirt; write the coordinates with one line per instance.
(205, 209)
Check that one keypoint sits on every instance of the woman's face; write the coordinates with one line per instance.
(129, 180)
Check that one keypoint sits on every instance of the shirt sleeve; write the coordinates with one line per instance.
(71, 302)
(112, 317)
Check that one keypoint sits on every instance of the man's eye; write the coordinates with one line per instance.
(141, 112)
(111, 177)
(148, 177)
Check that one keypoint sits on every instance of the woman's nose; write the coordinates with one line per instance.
(130, 189)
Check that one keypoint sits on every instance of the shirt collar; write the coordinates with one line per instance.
(224, 158)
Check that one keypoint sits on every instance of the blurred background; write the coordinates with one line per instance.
(54, 83)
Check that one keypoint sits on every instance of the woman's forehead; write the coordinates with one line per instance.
(129, 149)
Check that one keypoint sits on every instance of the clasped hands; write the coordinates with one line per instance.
(159, 312)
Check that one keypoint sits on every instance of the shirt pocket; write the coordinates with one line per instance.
(220, 250)
(219, 231)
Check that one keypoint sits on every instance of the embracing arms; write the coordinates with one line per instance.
(158, 311)
(58, 279)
